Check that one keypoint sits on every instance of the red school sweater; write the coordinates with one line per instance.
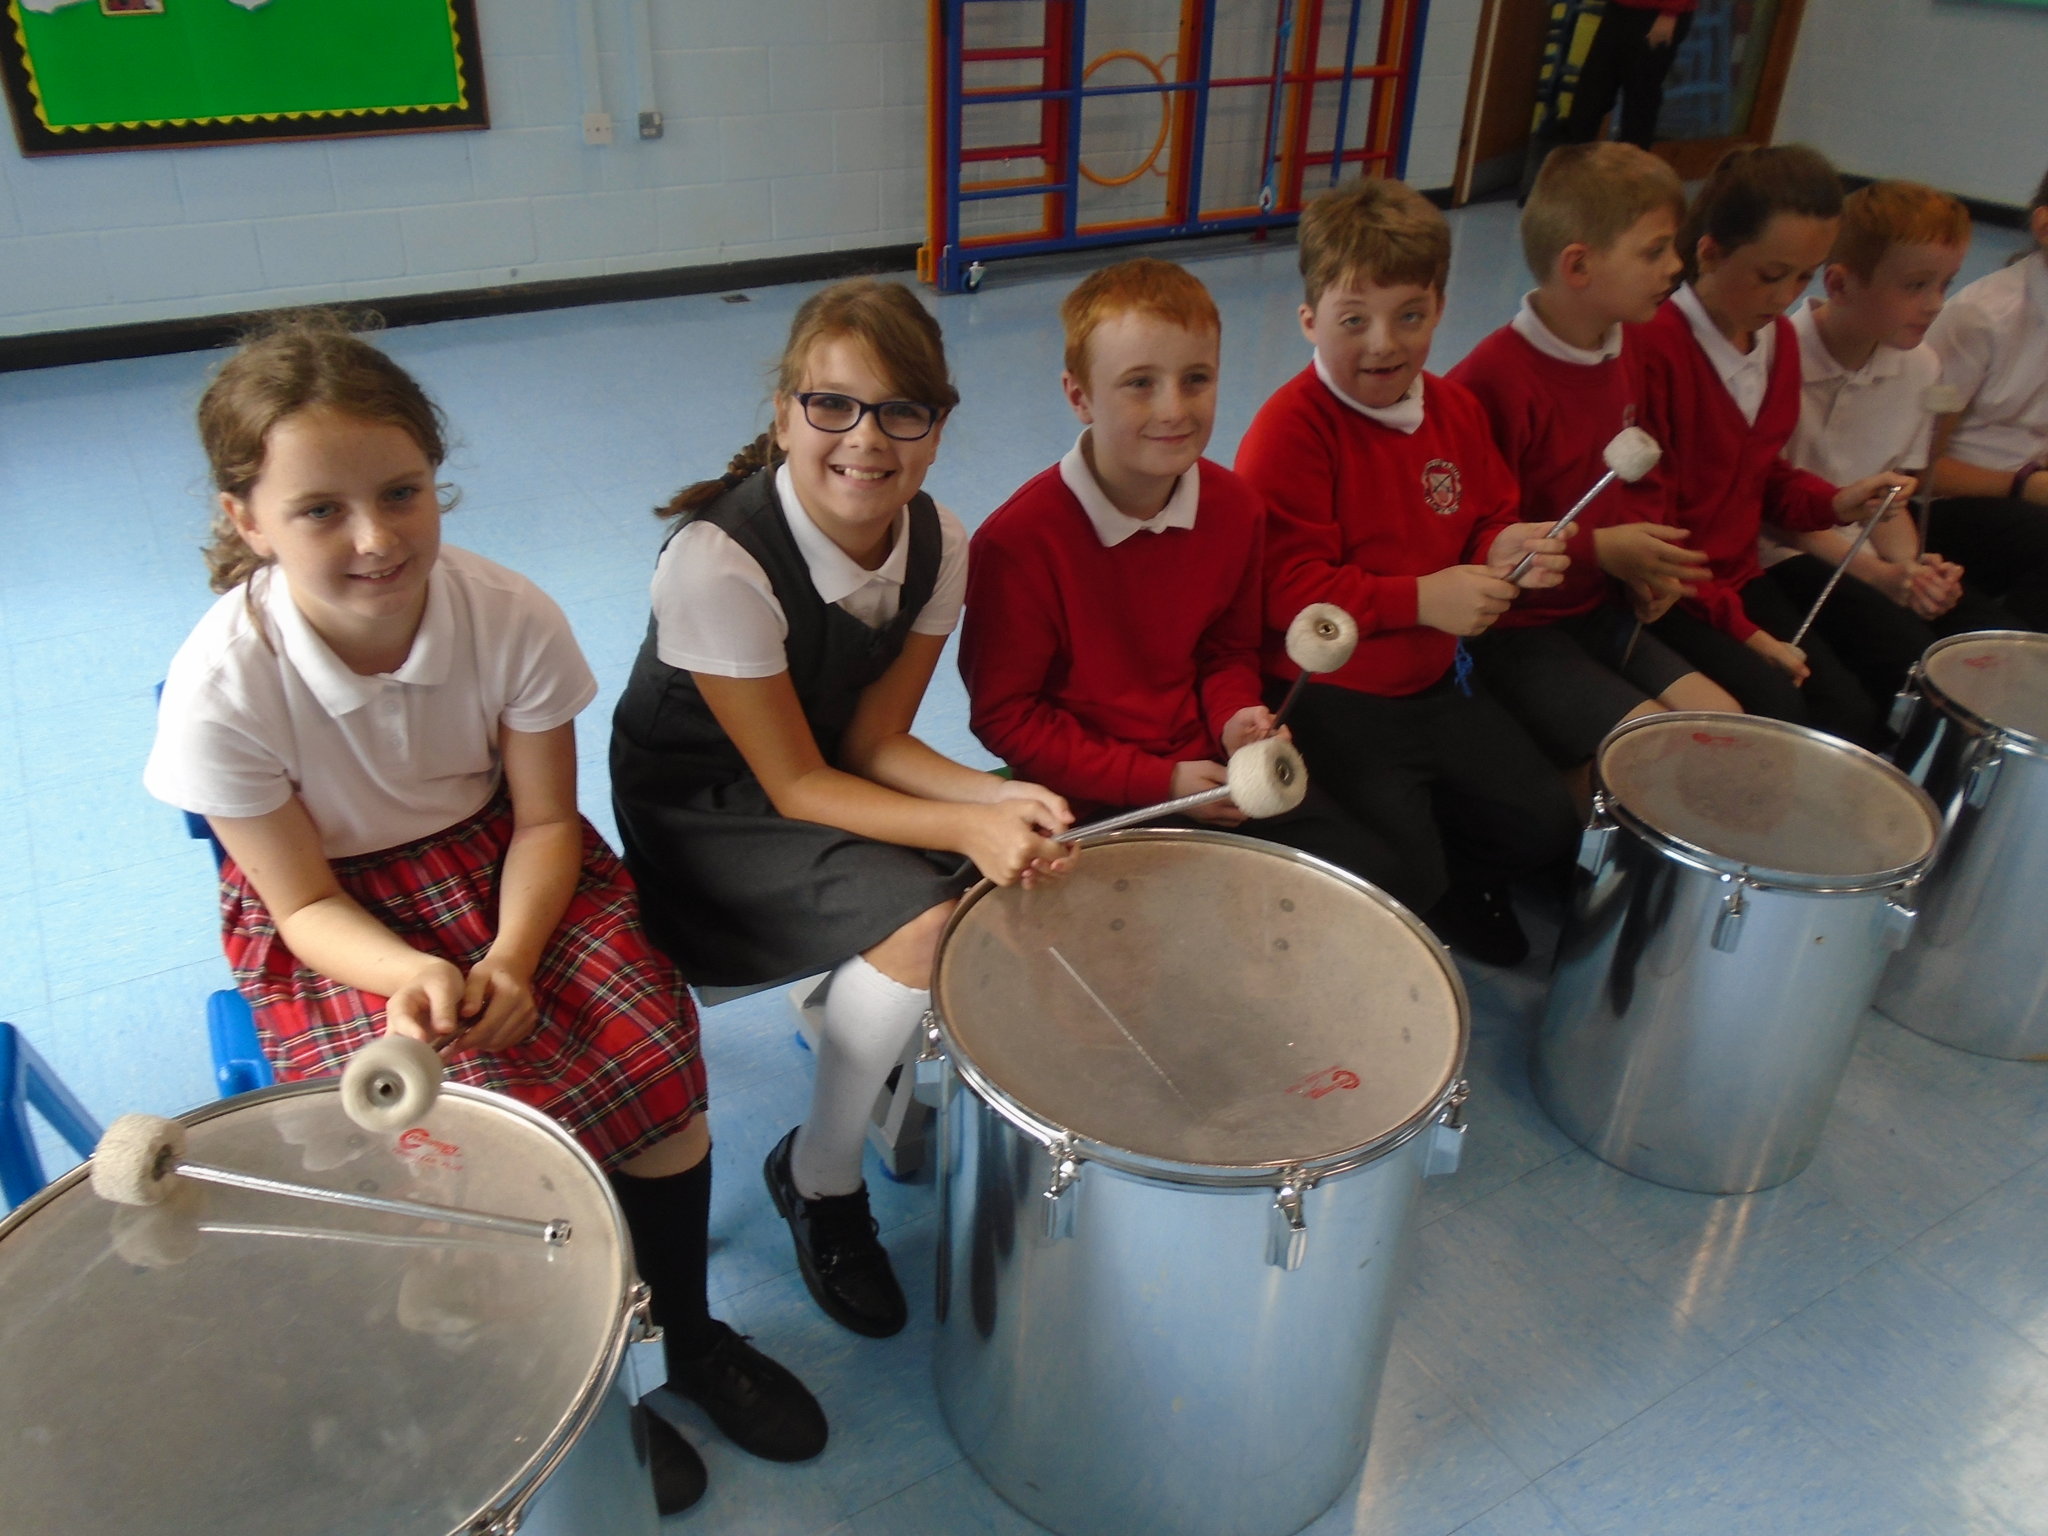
(1092, 670)
(1552, 421)
(1356, 511)
(1725, 477)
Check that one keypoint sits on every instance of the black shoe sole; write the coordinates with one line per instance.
(829, 1304)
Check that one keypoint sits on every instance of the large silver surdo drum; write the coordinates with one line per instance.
(234, 1362)
(1190, 1094)
(1743, 881)
(1974, 731)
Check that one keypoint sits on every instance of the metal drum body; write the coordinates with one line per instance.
(235, 1362)
(1974, 733)
(1742, 884)
(1187, 1100)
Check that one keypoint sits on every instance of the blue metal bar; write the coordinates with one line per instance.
(1413, 84)
(1283, 29)
(1166, 229)
(949, 264)
(1198, 153)
(1027, 189)
(1344, 93)
(1149, 88)
(1077, 66)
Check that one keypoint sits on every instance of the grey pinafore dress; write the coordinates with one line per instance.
(734, 891)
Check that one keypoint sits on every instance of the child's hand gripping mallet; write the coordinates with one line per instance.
(141, 1158)
(1862, 534)
(1321, 639)
(1267, 778)
(1630, 454)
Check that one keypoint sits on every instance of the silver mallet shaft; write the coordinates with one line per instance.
(1862, 534)
(1522, 566)
(554, 1233)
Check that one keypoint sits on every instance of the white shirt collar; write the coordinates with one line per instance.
(1817, 364)
(835, 573)
(1404, 415)
(339, 688)
(1113, 527)
(1530, 327)
(1751, 369)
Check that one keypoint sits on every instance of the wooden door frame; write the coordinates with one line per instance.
(1693, 158)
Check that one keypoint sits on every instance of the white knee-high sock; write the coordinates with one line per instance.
(869, 1019)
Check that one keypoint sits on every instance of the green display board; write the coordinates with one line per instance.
(124, 74)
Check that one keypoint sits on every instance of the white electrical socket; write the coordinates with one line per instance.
(597, 128)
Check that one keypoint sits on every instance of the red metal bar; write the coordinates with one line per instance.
(1008, 152)
(997, 55)
(1308, 43)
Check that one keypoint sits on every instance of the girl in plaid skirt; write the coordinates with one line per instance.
(380, 731)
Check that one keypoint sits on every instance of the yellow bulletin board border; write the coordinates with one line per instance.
(465, 105)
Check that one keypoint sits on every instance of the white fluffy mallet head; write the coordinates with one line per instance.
(136, 1161)
(1267, 777)
(390, 1083)
(1632, 453)
(1942, 400)
(1321, 638)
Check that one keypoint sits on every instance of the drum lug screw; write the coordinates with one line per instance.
(1066, 1170)
(1287, 1236)
(1983, 777)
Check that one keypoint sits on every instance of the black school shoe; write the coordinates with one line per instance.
(846, 1269)
(1479, 922)
(758, 1405)
(677, 1469)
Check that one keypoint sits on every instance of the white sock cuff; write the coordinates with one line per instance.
(862, 980)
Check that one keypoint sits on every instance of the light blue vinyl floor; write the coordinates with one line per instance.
(1861, 1353)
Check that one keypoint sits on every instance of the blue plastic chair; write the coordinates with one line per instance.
(239, 1065)
(26, 1082)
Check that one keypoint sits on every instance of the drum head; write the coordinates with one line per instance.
(1761, 797)
(339, 1371)
(2000, 678)
(1203, 1000)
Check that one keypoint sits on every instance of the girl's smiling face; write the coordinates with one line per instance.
(347, 509)
(1373, 340)
(1747, 288)
(853, 483)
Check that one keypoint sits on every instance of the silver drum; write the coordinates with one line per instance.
(1742, 883)
(1974, 731)
(243, 1364)
(1188, 1096)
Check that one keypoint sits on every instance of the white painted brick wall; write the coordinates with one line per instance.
(793, 125)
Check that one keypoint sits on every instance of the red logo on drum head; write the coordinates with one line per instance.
(1708, 739)
(1317, 1084)
(1981, 662)
(420, 1146)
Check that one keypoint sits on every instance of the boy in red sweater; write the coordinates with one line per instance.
(1386, 496)
(1600, 233)
(1111, 637)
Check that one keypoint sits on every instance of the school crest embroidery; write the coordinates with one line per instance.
(1441, 485)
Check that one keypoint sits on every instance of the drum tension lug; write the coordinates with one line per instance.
(640, 1304)
(1728, 925)
(1983, 778)
(1287, 1237)
(1445, 1148)
(1066, 1170)
(1899, 917)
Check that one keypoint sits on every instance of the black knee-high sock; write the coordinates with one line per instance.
(669, 1219)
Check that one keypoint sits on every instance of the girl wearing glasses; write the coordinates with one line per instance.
(778, 815)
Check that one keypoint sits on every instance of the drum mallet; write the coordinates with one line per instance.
(1862, 534)
(1267, 778)
(1630, 454)
(141, 1157)
(1321, 639)
(1940, 400)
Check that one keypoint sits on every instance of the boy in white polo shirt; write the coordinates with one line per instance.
(1993, 473)
(1864, 408)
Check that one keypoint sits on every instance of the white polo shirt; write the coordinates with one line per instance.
(715, 610)
(256, 708)
(1113, 527)
(1746, 375)
(1855, 422)
(1992, 339)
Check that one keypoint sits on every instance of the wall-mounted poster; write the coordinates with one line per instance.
(136, 74)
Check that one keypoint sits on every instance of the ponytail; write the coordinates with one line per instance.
(1751, 186)
(762, 453)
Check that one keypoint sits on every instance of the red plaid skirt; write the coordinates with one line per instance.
(615, 1055)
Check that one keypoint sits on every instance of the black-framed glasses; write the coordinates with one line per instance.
(904, 420)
